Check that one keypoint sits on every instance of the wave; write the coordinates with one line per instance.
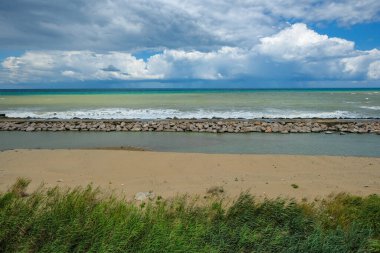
(370, 107)
(150, 113)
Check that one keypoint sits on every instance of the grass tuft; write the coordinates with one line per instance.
(19, 188)
(215, 190)
(88, 220)
(295, 186)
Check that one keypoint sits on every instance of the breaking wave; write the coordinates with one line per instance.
(149, 113)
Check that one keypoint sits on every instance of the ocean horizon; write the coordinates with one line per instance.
(5, 91)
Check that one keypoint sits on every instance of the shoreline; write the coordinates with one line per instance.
(168, 174)
(360, 126)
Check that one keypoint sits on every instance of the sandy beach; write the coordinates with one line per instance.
(168, 174)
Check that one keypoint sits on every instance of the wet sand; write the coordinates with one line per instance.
(168, 174)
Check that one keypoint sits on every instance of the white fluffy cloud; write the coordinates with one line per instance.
(298, 43)
(365, 64)
(79, 65)
(226, 62)
(293, 53)
(319, 56)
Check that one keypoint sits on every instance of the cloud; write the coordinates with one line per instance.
(312, 55)
(127, 25)
(53, 66)
(374, 70)
(364, 65)
(294, 53)
(225, 63)
(98, 25)
(344, 12)
(299, 43)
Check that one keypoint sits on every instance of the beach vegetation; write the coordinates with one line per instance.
(87, 219)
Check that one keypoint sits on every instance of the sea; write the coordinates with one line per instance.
(190, 103)
(200, 103)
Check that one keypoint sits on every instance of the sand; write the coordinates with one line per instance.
(168, 174)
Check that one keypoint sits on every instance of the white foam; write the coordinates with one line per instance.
(149, 113)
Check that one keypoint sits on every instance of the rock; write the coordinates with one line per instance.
(253, 129)
(196, 125)
(142, 196)
(223, 130)
(29, 129)
(268, 130)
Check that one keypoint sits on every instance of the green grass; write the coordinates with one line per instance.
(88, 220)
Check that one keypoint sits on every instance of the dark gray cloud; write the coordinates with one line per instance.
(38, 24)
(100, 25)
(111, 68)
(127, 25)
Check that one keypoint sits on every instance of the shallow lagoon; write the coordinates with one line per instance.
(249, 143)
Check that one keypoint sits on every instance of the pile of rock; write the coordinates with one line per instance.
(210, 126)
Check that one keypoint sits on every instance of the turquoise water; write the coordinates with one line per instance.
(155, 104)
(252, 143)
(27, 92)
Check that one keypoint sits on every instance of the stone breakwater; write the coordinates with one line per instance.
(209, 126)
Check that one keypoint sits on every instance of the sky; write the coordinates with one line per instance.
(189, 43)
